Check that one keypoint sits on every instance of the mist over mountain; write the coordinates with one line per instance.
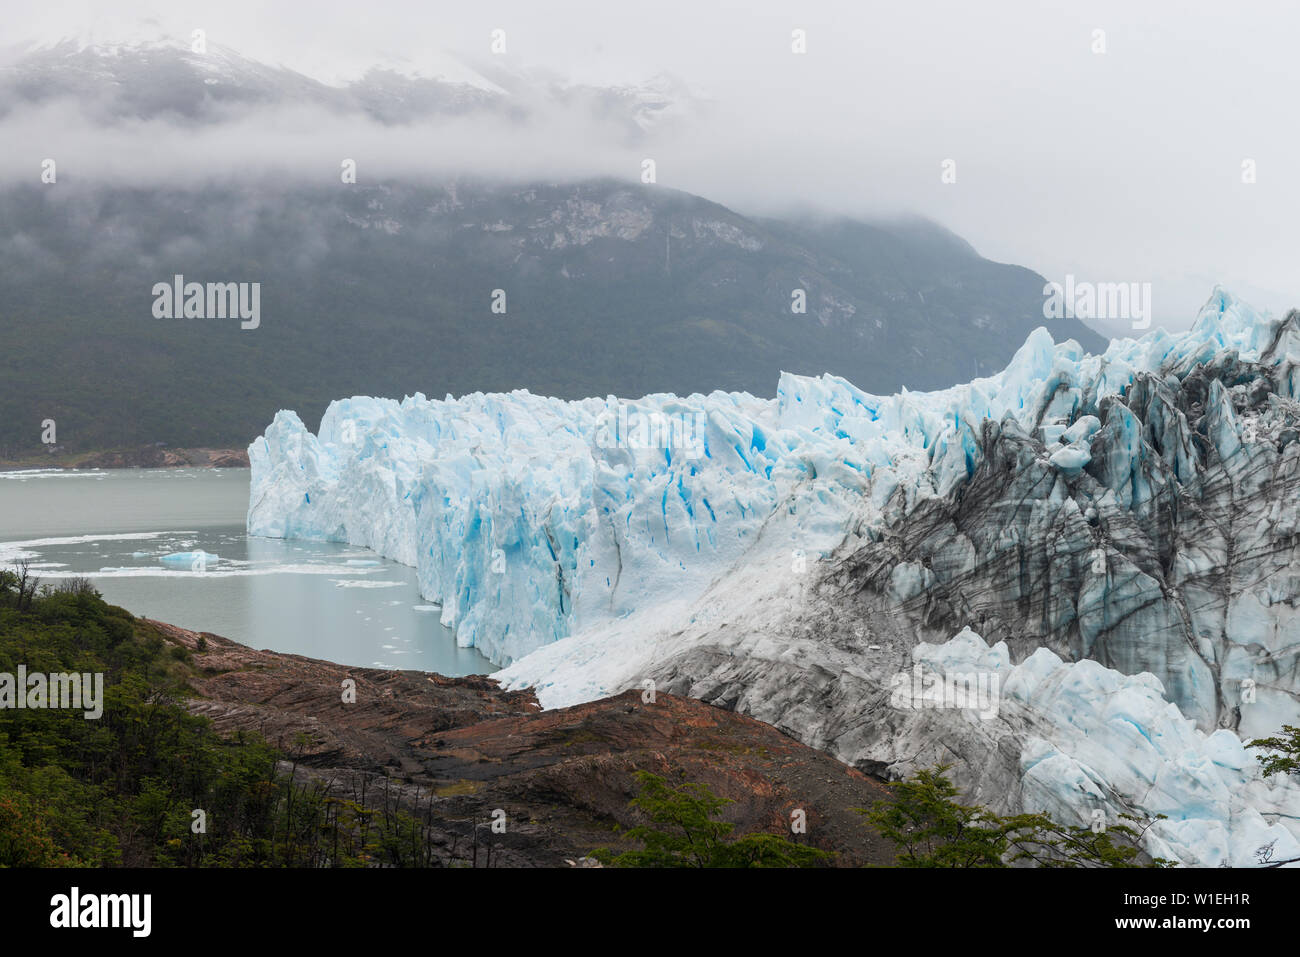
(486, 259)
(114, 83)
(160, 158)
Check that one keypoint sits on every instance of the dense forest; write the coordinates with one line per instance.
(147, 784)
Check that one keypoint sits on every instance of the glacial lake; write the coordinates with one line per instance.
(324, 600)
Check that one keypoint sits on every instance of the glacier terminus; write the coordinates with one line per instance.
(1111, 542)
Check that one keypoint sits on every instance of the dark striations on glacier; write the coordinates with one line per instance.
(1174, 550)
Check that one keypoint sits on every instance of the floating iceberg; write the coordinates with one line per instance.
(197, 561)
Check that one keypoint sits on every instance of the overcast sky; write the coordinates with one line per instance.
(1117, 166)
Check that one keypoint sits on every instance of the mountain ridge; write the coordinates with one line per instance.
(388, 289)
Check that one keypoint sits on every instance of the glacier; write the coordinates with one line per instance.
(1094, 744)
(1120, 526)
(528, 519)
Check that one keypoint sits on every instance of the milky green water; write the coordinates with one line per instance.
(324, 600)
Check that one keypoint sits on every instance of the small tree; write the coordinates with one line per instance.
(683, 833)
(19, 586)
(78, 587)
(1286, 760)
(1287, 744)
(931, 829)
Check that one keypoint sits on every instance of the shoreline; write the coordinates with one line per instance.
(142, 457)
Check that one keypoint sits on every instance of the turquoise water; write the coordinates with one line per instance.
(323, 600)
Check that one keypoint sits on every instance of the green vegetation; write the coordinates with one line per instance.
(684, 833)
(1287, 744)
(931, 829)
(1286, 760)
(123, 789)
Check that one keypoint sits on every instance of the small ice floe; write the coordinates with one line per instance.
(195, 560)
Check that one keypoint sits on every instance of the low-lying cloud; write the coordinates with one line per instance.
(1118, 166)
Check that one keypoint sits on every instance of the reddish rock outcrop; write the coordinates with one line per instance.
(454, 750)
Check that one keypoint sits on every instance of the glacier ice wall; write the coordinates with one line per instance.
(529, 518)
(1127, 522)
(1153, 527)
(1086, 744)
(1095, 505)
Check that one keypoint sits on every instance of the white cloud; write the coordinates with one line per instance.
(1123, 166)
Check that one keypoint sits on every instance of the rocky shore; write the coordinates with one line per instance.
(145, 457)
(456, 750)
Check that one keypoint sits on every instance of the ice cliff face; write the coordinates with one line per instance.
(1142, 514)
(1122, 528)
(1086, 744)
(529, 519)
